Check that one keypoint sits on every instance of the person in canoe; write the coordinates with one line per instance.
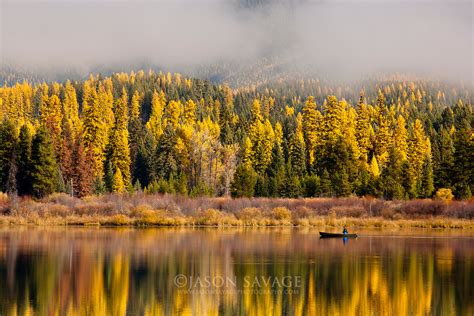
(344, 231)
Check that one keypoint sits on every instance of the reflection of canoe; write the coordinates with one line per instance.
(336, 235)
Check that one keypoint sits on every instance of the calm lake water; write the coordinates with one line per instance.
(237, 271)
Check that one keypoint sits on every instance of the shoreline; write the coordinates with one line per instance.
(155, 210)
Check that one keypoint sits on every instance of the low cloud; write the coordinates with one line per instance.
(330, 38)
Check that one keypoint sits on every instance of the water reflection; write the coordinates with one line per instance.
(118, 272)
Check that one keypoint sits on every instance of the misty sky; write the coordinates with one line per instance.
(346, 38)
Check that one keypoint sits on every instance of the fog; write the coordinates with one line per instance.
(342, 39)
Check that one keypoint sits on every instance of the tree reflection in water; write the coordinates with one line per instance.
(119, 271)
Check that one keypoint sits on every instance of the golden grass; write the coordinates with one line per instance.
(217, 218)
(158, 210)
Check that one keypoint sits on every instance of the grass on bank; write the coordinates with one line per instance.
(143, 210)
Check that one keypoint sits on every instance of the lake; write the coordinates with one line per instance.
(184, 271)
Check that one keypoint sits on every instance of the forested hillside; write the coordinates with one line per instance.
(396, 139)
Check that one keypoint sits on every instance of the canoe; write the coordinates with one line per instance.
(336, 235)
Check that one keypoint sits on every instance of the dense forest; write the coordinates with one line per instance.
(155, 132)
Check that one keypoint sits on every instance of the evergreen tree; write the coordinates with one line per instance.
(276, 170)
(463, 163)
(291, 186)
(8, 145)
(444, 162)
(426, 185)
(166, 156)
(43, 164)
(392, 178)
(245, 179)
(297, 157)
(141, 152)
(24, 163)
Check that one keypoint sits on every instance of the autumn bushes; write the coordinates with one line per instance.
(172, 210)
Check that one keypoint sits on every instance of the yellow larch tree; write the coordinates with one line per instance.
(135, 105)
(71, 108)
(400, 137)
(363, 129)
(383, 135)
(51, 117)
(419, 148)
(119, 150)
(94, 136)
(311, 120)
(154, 124)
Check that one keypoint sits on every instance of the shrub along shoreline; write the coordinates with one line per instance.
(143, 210)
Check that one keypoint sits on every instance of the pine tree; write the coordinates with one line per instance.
(463, 171)
(426, 185)
(297, 157)
(276, 170)
(43, 164)
(24, 163)
(291, 186)
(8, 145)
(166, 164)
(227, 118)
(444, 163)
(245, 179)
(141, 152)
(392, 179)
(408, 180)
